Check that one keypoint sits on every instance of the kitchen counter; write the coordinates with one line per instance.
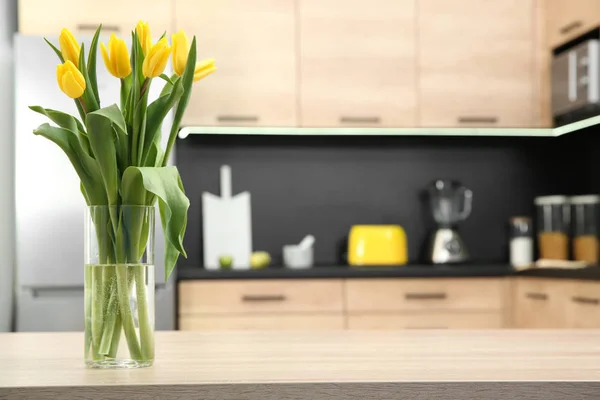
(507, 364)
(410, 271)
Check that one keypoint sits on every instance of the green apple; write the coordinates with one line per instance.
(225, 261)
(260, 259)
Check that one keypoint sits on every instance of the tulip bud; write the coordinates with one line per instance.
(204, 68)
(117, 62)
(181, 49)
(156, 59)
(69, 47)
(145, 37)
(70, 80)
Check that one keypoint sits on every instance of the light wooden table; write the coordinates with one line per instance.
(315, 366)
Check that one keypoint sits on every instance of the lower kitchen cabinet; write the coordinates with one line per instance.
(540, 303)
(429, 320)
(261, 322)
(582, 306)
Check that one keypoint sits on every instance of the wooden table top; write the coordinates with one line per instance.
(313, 365)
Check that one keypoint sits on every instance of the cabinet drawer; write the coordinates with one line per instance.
(243, 296)
(582, 308)
(82, 17)
(540, 303)
(427, 320)
(261, 322)
(424, 294)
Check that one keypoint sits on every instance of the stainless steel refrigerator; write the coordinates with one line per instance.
(49, 205)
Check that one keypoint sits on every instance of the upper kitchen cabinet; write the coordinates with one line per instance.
(357, 63)
(567, 19)
(476, 63)
(254, 45)
(82, 17)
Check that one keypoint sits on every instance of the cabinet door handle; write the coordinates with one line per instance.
(92, 27)
(477, 120)
(360, 120)
(237, 118)
(262, 297)
(585, 300)
(571, 26)
(425, 296)
(536, 296)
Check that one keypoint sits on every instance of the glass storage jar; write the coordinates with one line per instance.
(585, 211)
(553, 221)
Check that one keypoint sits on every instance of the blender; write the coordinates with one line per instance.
(450, 203)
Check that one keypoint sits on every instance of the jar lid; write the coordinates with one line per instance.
(519, 219)
(585, 199)
(550, 200)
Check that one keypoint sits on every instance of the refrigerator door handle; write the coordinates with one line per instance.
(62, 292)
(69, 291)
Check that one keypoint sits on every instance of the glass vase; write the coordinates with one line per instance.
(119, 286)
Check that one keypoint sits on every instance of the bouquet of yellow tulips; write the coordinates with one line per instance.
(116, 152)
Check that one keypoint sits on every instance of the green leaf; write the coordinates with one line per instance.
(88, 95)
(57, 51)
(115, 116)
(60, 118)
(165, 183)
(139, 124)
(102, 135)
(91, 65)
(187, 80)
(85, 166)
(166, 78)
(157, 111)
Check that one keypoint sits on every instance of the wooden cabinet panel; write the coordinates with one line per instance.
(260, 296)
(261, 322)
(254, 45)
(424, 294)
(582, 308)
(357, 63)
(476, 61)
(427, 320)
(567, 19)
(540, 303)
(44, 17)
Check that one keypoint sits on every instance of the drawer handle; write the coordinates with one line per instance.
(360, 120)
(585, 300)
(426, 327)
(537, 296)
(569, 27)
(425, 296)
(237, 118)
(477, 120)
(263, 297)
(92, 27)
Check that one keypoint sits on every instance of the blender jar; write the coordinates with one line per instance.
(553, 227)
(585, 228)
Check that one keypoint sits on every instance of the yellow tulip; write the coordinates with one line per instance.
(156, 59)
(143, 32)
(181, 48)
(69, 47)
(204, 68)
(70, 80)
(117, 62)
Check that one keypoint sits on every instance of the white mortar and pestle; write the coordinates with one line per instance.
(299, 256)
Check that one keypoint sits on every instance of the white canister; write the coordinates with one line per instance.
(521, 242)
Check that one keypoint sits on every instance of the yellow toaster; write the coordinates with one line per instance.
(377, 245)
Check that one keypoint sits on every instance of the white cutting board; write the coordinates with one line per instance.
(227, 225)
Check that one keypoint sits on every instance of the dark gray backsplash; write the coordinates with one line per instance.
(323, 185)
